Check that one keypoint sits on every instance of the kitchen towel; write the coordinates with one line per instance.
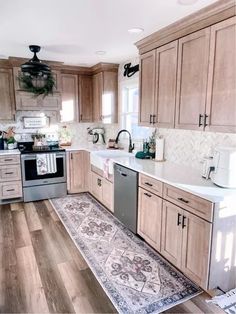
(46, 164)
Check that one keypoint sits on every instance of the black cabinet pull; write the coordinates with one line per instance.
(9, 172)
(154, 119)
(205, 120)
(150, 119)
(99, 182)
(200, 120)
(8, 159)
(179, 219)
(123, 174)
(183, 222)
(148, 184)
(10, 190)
(148, 195)
(183, 200)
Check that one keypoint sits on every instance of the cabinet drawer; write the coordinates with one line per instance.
(9, 159)
(188, 201)
(10, 190)
(151, 184)
(10, 173)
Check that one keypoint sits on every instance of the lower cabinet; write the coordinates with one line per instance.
(102, 189)
(78, 165)
(186, 242)
(149, 218)
(10, 179)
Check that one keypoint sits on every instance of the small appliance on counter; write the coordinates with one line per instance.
(207, 167)
(98, 135)
(224, 162)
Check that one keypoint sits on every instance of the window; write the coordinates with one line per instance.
(129, 112)
(67, 112)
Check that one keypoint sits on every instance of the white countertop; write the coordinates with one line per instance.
(9, 152)
(185, 178)
(90, 147)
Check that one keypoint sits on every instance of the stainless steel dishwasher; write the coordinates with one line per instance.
(126, 196)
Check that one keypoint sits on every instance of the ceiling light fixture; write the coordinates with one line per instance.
(100, 52)
(34, 66)
(135, 30)
(187, 2)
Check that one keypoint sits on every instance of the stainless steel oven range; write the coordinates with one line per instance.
(43, 186)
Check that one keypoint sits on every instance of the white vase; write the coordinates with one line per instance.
(11, 146)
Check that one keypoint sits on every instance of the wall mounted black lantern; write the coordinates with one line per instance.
(130, 70)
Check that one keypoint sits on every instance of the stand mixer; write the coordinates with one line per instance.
(98, 135)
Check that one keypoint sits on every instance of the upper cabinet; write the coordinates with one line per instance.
(105, 97)
(192, 80)
(28, 101)
(221, 96)
(7, 99)
(69, 97)
(85, 98)
(165, 87)
(147, 88)
(188, 72)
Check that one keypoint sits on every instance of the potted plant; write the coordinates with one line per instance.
(11, 142)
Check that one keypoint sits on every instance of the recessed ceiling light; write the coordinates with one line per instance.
(187, 2)
(100, 52)
(135, 30)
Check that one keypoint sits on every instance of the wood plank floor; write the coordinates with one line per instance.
(41, 270)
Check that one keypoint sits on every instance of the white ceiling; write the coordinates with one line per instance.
(72, 30)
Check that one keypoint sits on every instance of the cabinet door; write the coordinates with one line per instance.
(149, 218)
(97, 96)
(107, 194)
(196, 248)
(96, 186)
(193, 56)
(50, 102)
(221, 100)
(76, 172)
(27, 101)
(110, 97)
(69, 97)
(7, 101)
(147, 88)
(171, 238)
(85, 98)
(165, 87)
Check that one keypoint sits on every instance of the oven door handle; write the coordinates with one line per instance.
(33, 157)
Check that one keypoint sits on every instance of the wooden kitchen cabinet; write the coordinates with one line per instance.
(193, 58)
(165, 85)
(69, 94)
(7, 99)
(158, 70)
(10, 179)
(102, 189)
(29, 101)
(147, 88)
(78, 165)
(221, 100)
(149, 218)
(171, 239)
(196, 241)
(186, 241)
(105, 97)
(86, 98)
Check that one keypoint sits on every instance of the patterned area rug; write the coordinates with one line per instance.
(133, 275)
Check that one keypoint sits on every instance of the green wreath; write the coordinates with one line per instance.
(46, 89)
